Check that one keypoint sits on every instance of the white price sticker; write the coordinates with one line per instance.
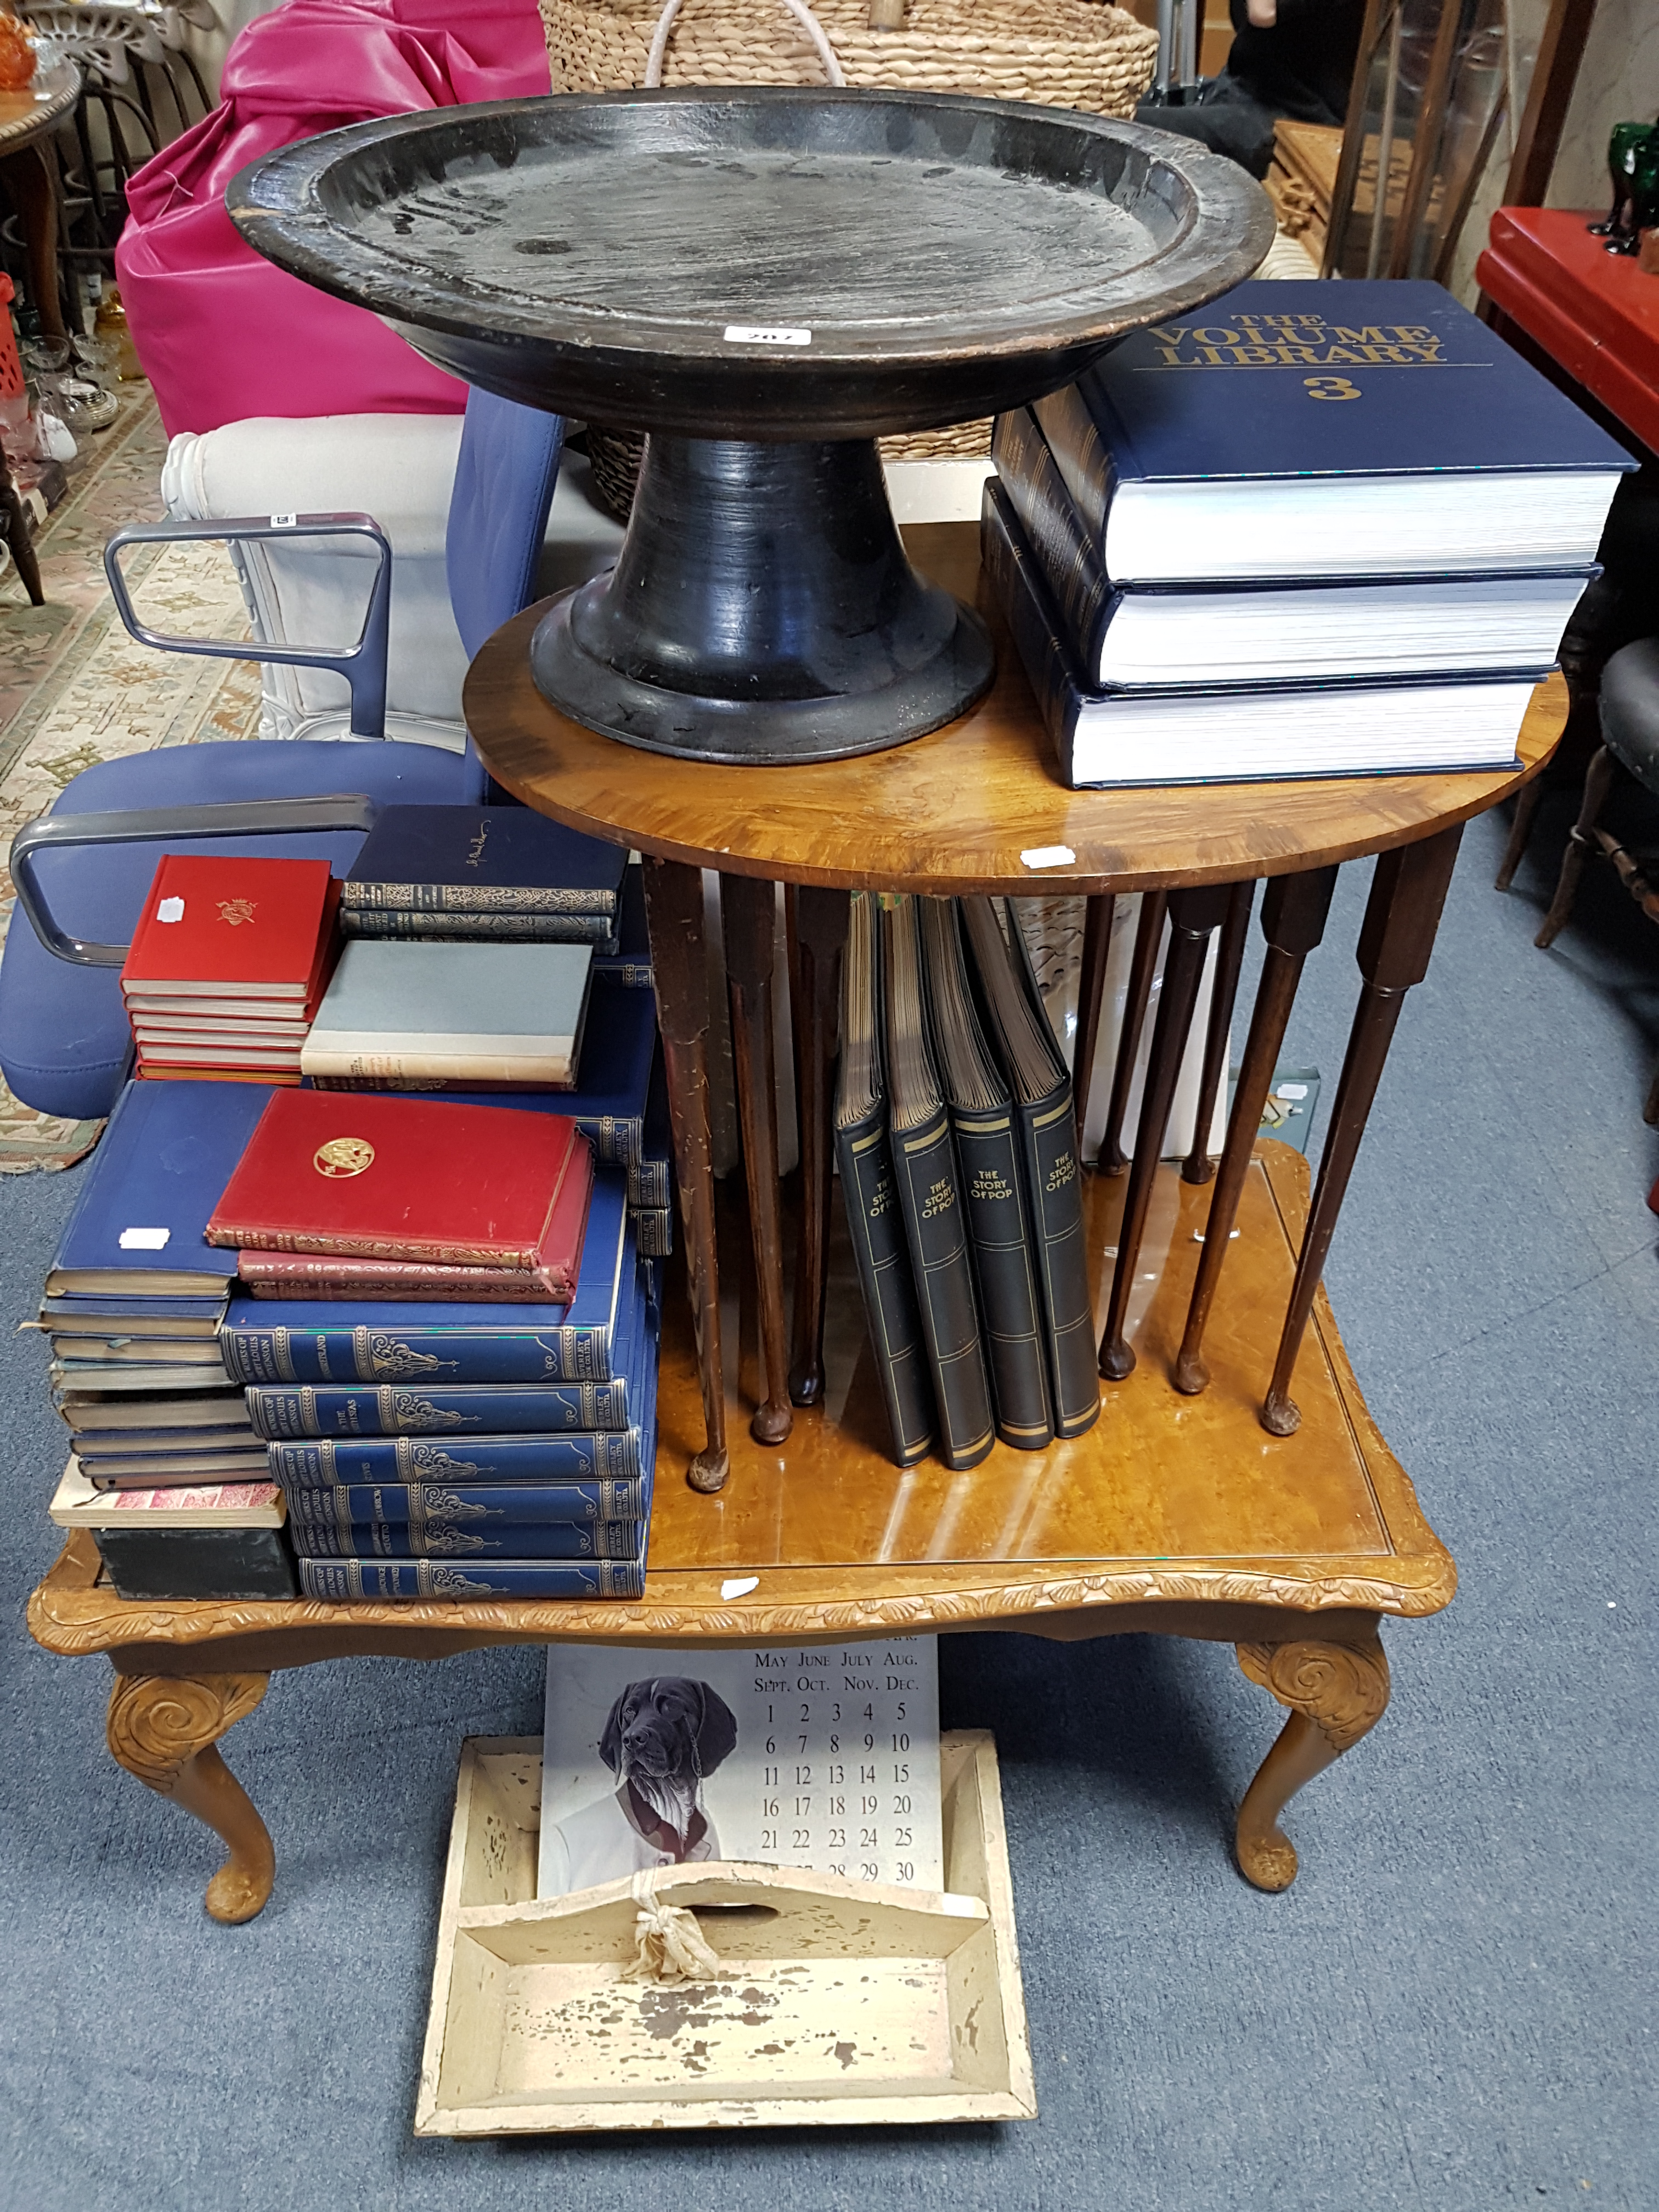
(1048, 856)
(283, 521)
(765, 334)
(143, 1240)
(170, 909)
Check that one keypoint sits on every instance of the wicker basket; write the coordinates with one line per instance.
(1064, 53)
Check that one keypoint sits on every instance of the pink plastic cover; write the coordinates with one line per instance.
(224, 335)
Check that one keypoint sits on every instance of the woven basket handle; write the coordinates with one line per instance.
(798, 8)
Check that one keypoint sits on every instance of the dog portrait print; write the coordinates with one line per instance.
(663, 1737)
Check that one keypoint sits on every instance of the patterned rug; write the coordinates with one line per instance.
(74, 689)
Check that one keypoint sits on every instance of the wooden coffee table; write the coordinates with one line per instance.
(1176, 1515)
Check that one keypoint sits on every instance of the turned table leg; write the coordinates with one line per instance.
(1149, 929)
(817, 932)
(1401, 916)
(748, 912)
(1091, 989)
(1193, 915)
(673, 908)
(1337, 1692)
(1198, 1166)
(1293, 914)
(163, 1728)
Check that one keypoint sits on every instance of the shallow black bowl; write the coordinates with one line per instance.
(771, 263)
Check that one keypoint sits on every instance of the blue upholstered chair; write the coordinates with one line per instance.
(83, 869)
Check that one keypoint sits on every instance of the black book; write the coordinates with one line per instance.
(1023, 1043)
(871, 1197)
(930, 1197)
(994, 1197)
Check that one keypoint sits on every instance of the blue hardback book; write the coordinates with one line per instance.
(1308, 429)
(343, 1506)
(457, 1536)
(77, 1311)
(484, 860)
(281, 1412)
(344, 1580)
(162, 1169)
(307, 1409)
(1189, 734)
(337, 1341)
(1275, 631)
(627, 959)
(589, 1456)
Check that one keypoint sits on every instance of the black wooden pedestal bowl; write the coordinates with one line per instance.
(765, 280)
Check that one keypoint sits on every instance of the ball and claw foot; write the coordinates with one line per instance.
(707, 1472)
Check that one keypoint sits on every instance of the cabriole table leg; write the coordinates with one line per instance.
(1337, 1692)
(163, 1728)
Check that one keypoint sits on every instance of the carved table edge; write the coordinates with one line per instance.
(67, 1616)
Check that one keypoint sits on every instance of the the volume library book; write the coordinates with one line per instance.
(1223, 552)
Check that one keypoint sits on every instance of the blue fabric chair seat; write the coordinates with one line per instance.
(64, 1039)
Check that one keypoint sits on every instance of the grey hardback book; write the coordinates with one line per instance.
(477, 1014)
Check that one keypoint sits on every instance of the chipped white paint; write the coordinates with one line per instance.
(841, 2002)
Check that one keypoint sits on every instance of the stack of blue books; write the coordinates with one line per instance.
(465, 1451)
(168, 1472)
(1310, 530)
(135, 1294)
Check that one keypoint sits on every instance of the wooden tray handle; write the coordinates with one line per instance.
(798, 8)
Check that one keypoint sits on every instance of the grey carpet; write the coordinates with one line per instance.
(1452, 2007)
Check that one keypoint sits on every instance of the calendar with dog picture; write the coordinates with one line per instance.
(824, 1757)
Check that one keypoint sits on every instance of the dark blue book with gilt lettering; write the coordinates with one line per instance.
(166, 1158)
(343, 1506)
(593, 1458)
(482, 860)
(314, 1340)
(1304, 430)
(439, 1408)
(454, 1536)
(346, 1580)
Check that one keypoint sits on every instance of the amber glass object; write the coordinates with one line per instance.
(17, 55)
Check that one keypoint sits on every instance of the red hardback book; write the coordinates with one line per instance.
(355, 1175)
(302, 1275)
(235, 928)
